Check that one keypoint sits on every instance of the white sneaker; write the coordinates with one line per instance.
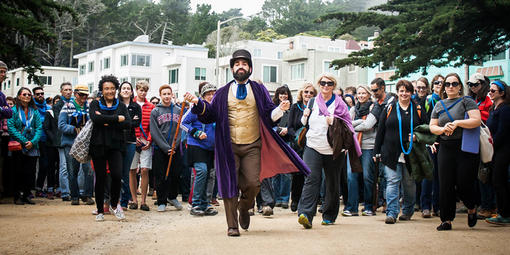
(161, 208)
(118, 212)
(175, 203)
(100, 217)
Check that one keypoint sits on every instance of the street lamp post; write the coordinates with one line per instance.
(218, 47)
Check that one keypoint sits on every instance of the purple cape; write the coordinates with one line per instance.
(276, 156)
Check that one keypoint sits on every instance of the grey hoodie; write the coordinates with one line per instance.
(163, 124)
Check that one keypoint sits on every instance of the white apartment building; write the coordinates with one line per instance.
(140, 60)
(51, 76)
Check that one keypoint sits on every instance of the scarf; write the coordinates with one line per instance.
(41, 107)
(362, 109)
(341, 112)
(431, 102)
(80, 113)
(106, 108)
(65, 100)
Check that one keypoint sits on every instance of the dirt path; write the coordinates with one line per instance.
(52, 227)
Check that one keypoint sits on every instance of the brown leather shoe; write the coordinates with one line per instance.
(244, 219)
(233, 232)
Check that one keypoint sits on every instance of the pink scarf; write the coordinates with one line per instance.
(341, 112)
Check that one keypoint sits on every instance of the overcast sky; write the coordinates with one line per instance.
(249, 7)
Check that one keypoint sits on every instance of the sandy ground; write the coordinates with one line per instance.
(55, 227)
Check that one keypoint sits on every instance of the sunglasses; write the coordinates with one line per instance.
(493, 90)
(82, 95)
(421, 88)
(453, 84)
(328, 83)
(308, 92)
(26, 94)
(437, 82)
(39, 94)
(471, 84)
(375, 90)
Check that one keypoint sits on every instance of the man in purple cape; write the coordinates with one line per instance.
(247, 150)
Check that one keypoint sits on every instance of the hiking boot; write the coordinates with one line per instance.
(303, 220)
(196, 211)
(100, 217)
(390, 220)
(498, 220)
(88, 200)
(426, 213)
(175, 203)
(267, 210)
(404, 217)
(75, 202)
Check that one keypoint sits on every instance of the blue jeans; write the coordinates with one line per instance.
(200, 185)
(369, 178)
(126, 164)
(394, 180)
(353, 188)
(281, 185)
(73, 167)
(488, 196)
(63, 177)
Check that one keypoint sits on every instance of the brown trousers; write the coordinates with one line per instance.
(247, 159)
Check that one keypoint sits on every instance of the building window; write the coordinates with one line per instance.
(123, 60)
(269, 73)
(101, 65)
(141, 60)
(83, 69)
(45, 80)
(297, 71)
(328, 69)
(173, 76)
(333, 49)
(91, 86)
(9, 84)
(91, 66)
(257, 52)
(200, 74)
(106, 63)
(17, 82)
(134, 80)
(279, 55)
(228, 75)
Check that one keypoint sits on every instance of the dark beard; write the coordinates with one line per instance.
(241, 77)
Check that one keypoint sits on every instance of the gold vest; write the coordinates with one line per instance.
(243, 118)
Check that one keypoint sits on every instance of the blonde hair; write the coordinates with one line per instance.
(143, 85)
(305, 86)
(328, 76)
(366, 89)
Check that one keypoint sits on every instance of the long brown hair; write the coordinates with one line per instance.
(17, 102)
(442, 92)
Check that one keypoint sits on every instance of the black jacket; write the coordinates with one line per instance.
(387, 141)
(294, 123)
(134, 109)
(108, 132)
(50, 128)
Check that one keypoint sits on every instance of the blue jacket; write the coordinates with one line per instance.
(15, 126)
(42, 108)
(195, 127)
(70, 119)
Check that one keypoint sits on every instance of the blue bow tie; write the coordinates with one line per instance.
(241, 91)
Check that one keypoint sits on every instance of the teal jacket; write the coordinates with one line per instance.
(420, 161)
(15, 126)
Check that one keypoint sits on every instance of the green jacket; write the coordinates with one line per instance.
(420, 161)
(15, 127)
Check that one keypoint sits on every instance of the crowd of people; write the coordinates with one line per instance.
(405, 152)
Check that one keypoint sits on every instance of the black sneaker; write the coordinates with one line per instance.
(472, 219)
(144, 207)
(444, 226)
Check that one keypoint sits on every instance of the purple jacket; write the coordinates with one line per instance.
(276, 156)
(5, 112)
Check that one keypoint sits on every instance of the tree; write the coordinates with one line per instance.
(418, 34)
(201, 23)
(24, 26)
(268, 35)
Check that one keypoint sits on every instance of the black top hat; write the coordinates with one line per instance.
(244, 54)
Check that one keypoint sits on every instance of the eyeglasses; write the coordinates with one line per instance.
(421, 88)
(375, 90)
(437, 82)
(328, 83)
(471, 84)
(26, 94)
(308, 92)
(453, 84)
(493, 90)
(39, 94)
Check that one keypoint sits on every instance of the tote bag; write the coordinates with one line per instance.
(80, 148)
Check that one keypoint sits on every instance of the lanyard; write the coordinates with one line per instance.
(24, 120)
(400, 129)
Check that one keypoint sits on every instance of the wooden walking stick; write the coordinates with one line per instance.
(174, 141)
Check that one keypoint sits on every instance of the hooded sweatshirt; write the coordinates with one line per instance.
(163, 124)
